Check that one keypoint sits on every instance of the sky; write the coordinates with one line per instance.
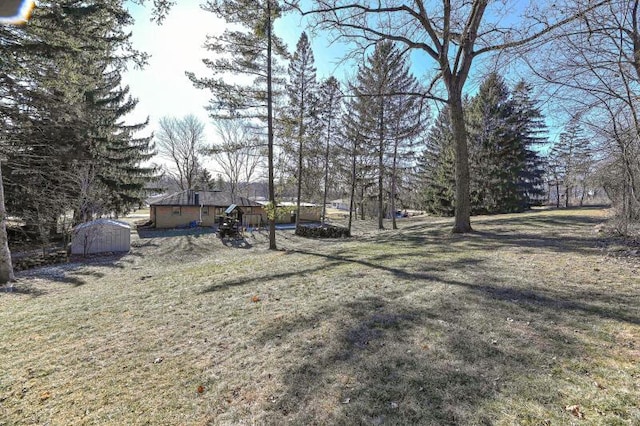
(162, 89)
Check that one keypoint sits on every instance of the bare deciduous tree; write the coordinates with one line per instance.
(181, 141)
(239, 154)
(594, 71)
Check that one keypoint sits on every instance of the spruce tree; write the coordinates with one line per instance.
(504, 129)
(531, 134)
(385, 96)
(59, 86)
(493, 147)
(302, 89)
(122, 152)
(330, 103)
(572, 157)
(436, 168)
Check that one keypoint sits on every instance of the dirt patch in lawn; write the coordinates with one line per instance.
(527, 320)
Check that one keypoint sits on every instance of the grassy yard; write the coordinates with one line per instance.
(526, 321)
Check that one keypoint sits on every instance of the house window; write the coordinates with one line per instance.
(205, 210)
(177, 211)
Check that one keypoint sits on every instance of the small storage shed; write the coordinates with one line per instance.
(100, 236)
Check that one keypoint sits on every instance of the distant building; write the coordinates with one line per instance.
(340, 204)
(286, 213)
(201, 208)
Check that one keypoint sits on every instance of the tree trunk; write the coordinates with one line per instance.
(393, 185)
(300, 145)
(299, 188)
(557, 194)
(326, 175)
(353, 183)
(6, 268)
(272, 192)
(381, 165)
(462, 222)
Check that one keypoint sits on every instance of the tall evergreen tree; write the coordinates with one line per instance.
(531, 134)
(504, 129)
(329, 116)
(353, 153)
(302, 89)
(121, 151)
(493, 148)
(572, 156)
(436, 168)
(247, 47)
(62, 106)
(384, 90)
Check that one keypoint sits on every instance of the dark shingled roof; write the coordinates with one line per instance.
(205, 198)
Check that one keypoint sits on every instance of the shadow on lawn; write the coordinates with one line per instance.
(612, 306)
(145, 233)
(537, 231)
(73, 273)
(226, 284)
(393, 362)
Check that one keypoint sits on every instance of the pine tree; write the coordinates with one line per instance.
(302, 89)
(503, 130)
(248, 48)
(353, 153)
(58, 78)
(531, 133)
(572, 157)
(329, 115)
(385, 92)
(436, 168)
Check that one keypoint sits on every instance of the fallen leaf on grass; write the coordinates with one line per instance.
(200, 389)
(575, 411)
(255, 299)
(44, 396)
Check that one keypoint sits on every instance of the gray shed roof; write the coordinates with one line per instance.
(104, 222)
(205, 198)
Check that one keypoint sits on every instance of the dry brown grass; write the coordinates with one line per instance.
(517, 323)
